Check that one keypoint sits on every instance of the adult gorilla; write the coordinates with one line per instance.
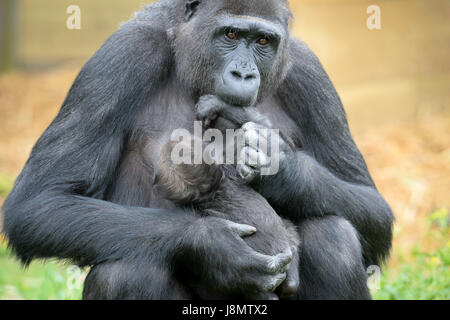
(86, 192)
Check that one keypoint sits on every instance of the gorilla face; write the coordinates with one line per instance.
(236, 56)
(246, 49)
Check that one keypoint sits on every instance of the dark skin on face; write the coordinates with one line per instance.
(87, 193)
(247, 48)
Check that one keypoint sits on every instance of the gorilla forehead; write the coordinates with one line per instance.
(274, 10)
(243, 21)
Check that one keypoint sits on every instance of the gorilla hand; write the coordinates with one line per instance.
(212, 110)
(262, 149)
(214, 251)
(289, 287)
(208, 109)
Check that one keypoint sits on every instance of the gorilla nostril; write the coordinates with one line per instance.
(236, 74)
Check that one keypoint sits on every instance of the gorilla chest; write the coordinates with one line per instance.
(172, 110)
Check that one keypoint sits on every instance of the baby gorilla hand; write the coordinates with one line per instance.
(263, 152)
(214, 112)
(217, 253)
(208, 109)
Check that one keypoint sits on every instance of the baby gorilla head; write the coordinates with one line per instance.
(210, 187)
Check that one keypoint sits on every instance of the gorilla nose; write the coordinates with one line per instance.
(241, 83)
(242, 75)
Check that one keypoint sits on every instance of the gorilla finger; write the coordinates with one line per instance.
(263, 296)
(257, 158)
(222, 123)
(236, 115)
(273, 282)
(265, 263)
(252, 126)
(253, 158)
(244, 170)
(253, 115)
(258, 137)
(252, 138)
(264, 134)
(271, 296)
(246, 173)
(289, 287)
(242, 230)
(208, 106)
(208, 99)
(279, 262)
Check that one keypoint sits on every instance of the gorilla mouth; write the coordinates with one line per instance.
(239, 101)
(237, 94)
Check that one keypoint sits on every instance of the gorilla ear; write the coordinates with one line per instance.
(191, 7)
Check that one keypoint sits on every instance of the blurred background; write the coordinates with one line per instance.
(394, 82)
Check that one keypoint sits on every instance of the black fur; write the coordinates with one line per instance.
(218, 191)
(87, 191)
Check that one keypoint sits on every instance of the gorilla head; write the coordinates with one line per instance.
(227, 49)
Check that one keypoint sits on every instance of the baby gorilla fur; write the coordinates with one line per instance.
(218, 191)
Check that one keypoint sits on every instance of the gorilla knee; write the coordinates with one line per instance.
(106, 281)
(331, 260)
(139, 280)
(348, 247)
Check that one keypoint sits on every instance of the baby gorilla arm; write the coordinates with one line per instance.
(213, 111)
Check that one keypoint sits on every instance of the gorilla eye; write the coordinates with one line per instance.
(263, 41)
(231, 35)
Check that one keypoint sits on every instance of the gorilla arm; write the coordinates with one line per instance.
(55, 209)
(327, 175)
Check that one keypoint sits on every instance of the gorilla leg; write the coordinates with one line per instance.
(121, 280)
(331, 263)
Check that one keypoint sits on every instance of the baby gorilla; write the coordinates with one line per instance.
(219, 191)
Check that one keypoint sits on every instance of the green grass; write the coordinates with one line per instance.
(42, 281)
(428, 278)
(6, 184)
